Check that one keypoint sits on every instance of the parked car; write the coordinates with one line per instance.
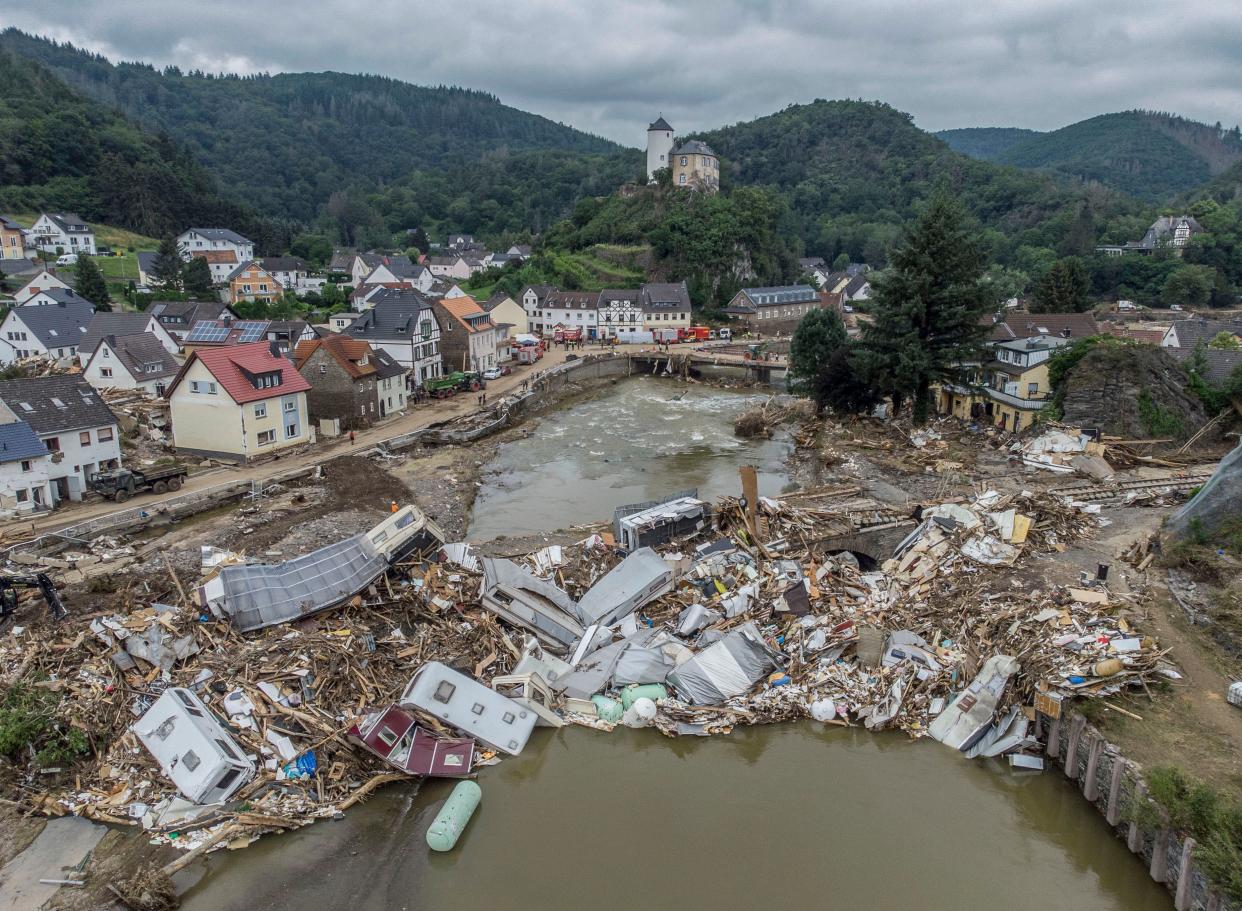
(494, 373)
(67, 259)
(505, 369)
(1177, 307)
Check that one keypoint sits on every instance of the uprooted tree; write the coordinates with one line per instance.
(928, 308)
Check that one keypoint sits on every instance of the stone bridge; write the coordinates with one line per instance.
(683, 363)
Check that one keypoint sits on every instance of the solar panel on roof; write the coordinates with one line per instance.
(251, 331)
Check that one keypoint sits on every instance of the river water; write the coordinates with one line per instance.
(638, 440)
(790, 816)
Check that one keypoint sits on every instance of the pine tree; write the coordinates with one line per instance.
(197, 277)
(1065, 289)
(168, 266)
(90, 283)
(817, 336)
(929, 308)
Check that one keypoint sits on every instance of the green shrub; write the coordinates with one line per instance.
(28, 719)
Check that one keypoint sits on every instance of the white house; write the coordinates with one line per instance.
(53, 332)
(572, 310)
(532, 300)
(131, 362)
(454, 266)
(223, 249)
(288, 270)
(63, 232)
(402, 323)
(24, 466)
(619, 313)
(117, 324)
(44, 281)
(53, 296)
(78, 429)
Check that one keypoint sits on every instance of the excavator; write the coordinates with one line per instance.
(10, 585)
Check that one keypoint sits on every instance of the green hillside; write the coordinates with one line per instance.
(64, 151)
(286, 143)
(985, 143)
(1149, 155)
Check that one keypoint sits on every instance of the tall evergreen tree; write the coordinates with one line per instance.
(90, 283)
(929, 308)
(197, 277)
(1066, 288)
(817, 336)
(168, 266)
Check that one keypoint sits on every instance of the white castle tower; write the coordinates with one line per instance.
(659, 146)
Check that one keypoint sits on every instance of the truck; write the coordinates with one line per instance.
(441, 387)
(120, 484)
(667, 336)
(528, 354)
(695, 333)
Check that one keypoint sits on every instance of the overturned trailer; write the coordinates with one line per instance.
(640, 578)
(254, 595)
(464, 703)
(393, 734)
(523, 599)
(642, 525)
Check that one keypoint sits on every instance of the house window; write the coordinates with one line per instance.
(387, 735)
(53, 444)
(683, 161)
(203, 387)
(105, 372)
(267, 437)
(260, 410)
(27, 465)
(682, 179)
(291, 405)
(104, 434)
(84, 438)
(1032, 388)
(291, 430)
(22, 494)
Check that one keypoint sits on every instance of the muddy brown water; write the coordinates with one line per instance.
(789, 816)
(639, 440)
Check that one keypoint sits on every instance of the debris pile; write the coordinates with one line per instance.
(325, 684)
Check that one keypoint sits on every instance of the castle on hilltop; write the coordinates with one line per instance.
(693, 164)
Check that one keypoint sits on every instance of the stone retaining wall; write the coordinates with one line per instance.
(1111, 782)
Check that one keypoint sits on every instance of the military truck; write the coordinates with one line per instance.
(120, 484)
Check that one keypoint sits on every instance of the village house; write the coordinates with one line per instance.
(283, 334)
(571, 310)
(619, 313)
(520, 251)
(178, 316)
(53, 296)
(131, 362)
(403, 323)
(1189, 333)
(453, 266)
(532, 299)
(505, 311)
(350, 381)
(43, 281)
(696, 167)
(147, 262)
(62, 232)
(468, 337)
(119, 324)
(1168, 232)
(251, 282)
(238, 403)
(665, 306)
(339, 322)
(852, 286)
(25, 464)
(12, 239)
(289, 271)
(774, 309)
(401, 270)
(52, 332)
(223, 249)
(78, 429)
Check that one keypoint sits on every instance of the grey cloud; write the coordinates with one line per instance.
(611, 67)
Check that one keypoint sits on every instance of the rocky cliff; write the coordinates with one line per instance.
(1134, 392)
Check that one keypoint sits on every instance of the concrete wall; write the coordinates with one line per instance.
(1110, 782)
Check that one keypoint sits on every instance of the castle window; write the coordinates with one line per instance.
(683, 161)
(683, 178)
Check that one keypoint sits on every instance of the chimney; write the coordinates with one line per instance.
(273, 348)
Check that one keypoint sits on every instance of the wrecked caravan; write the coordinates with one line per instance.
(662, 522)
(727, 668)
(469, 706)
(393, 734)
(641, 577)
(255, 595)
(525, 600)
(193, 748)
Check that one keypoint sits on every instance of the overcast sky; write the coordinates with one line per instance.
(611, 67)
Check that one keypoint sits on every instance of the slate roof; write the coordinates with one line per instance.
(1020, 324)
(664, 296)
(220, 234)
(146, 262)
(9, 223)
(496, 300)
(572, 300)
(400, 265)
(1219, 363)
(59, 325)
(69, 222)
(56, 404)
(386, 365)
(807, 263)
(18, 266)
(237, 367)
(633, 295)
(1190, 332)
(660, 124)
(117, 324)
(541, 291)
(18, 441)
(181, 315)
(60, 295)
(282, 264)
(776, 296)
(394, 316)
(341, 260)
(694, 147)
(138, 352)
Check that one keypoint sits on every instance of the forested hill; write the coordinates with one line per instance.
(1150, 155)
(853, 171)
(985, 143)
(62, 150)
(285, 143)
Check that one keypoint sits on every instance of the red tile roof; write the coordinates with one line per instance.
(223, 257)
(462, 308)
(230, 365)
(347, 352)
